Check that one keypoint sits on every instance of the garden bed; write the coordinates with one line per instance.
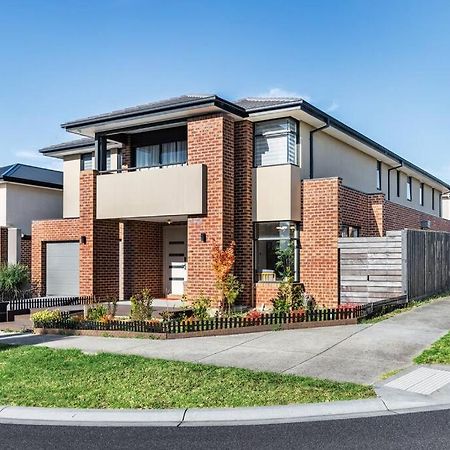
(173, 329)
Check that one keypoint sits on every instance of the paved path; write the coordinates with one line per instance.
(359, 353)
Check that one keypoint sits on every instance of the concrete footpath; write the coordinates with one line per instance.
(358, 353)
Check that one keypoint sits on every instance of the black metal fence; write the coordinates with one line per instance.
(217, 323)
(23, 304)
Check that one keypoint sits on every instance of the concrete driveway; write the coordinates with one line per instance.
(359, 353)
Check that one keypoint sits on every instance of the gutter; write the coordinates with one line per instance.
(311, 147)
(389, 177)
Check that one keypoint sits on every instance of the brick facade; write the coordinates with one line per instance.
(25, 251)
(3, 245)
(210, 142)
(243, 220)
(143, 258)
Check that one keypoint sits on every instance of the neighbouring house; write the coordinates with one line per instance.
(26, 193)
(150, 188)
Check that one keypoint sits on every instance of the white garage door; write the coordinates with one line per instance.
(63, 269)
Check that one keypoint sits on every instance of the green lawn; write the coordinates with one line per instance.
(438, 353)
(38, 376)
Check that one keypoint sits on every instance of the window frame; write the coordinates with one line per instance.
(433, 200)
(83, 158)
(297, 141)
(409, 189)
(160, 146)
(357, 228)
(421, 194)
(295, 239)
(398, 182)
(379, 175)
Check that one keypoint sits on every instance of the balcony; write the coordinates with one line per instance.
(155, 192)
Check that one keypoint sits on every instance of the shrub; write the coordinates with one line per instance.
(141, 305)
(96, 312)
(200, 307)
(232, 287)
(281, 305)
(46, 317)
(14, 279)
(253, 314)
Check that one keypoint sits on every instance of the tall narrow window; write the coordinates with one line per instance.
(433, 205)
(409, 189)
(379, 175)
(276, 142)
(276, 251)
(421, 197)
(86, 161)
(108, 160)
(440, 205)
(398, 183)
(119, 159)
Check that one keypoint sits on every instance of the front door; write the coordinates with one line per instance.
(175, 245)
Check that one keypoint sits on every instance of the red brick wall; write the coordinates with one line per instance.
(143, 258)
(25, 252)
(264, 293)
(211, 142)
(318, 239)
(243, 221)
(397, 217)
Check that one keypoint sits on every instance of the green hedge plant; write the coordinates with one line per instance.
(14, 279)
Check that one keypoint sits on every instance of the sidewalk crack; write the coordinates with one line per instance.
(233, 346)
(328, 349)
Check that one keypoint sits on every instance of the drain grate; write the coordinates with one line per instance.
(421, 381)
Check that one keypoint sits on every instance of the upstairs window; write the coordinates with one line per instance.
(409, 189)
(108, 160)
(158, 155)
(422, 187)
(432, 200)
(86, 161)
(276, 142)
(379, 175)
(398, 183)
(350, 231)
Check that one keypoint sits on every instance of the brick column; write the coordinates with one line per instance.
(243, 220)
(211, 142)
(319, 261)
(376, 214)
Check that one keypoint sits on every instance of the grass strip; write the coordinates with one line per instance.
(39, 376)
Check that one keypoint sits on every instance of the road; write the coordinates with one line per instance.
(428, 430)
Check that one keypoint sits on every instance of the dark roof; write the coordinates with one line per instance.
(36, 176)
(77, 143)
(160, 106)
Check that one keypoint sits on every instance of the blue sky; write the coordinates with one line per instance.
(381, 67)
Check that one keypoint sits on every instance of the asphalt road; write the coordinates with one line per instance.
(428, 430)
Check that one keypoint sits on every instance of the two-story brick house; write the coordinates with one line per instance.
(150, 188)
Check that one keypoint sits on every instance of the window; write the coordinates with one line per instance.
(422, 187)
(440, 205)
(119, 159)
(432, 199)
(86, 161)
(379, 175)
(276, 251)
(398, 183)
(108, 160)
(409, 189)
(276, 142)
(167, 154)
(350, 231)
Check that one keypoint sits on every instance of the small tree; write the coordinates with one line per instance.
(227, 284)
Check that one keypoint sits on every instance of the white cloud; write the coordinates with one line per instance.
(283, 93)
(333, 106)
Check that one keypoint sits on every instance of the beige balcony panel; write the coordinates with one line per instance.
(169, 191)
(276, 193)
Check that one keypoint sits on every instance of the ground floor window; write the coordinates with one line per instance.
(276, 251)
(350, 231)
